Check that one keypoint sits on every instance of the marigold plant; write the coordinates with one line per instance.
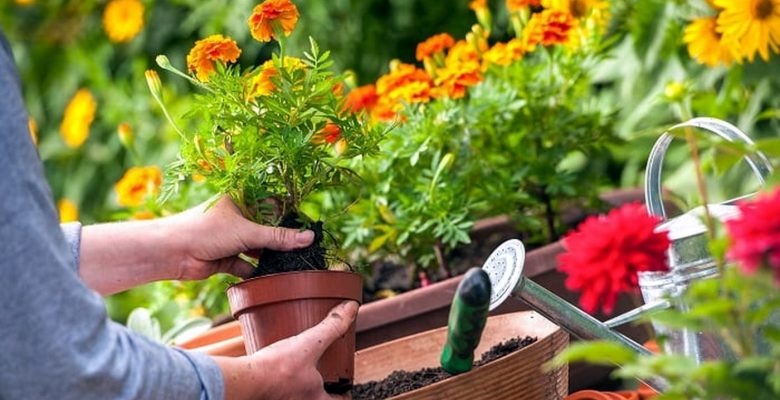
(270, 135)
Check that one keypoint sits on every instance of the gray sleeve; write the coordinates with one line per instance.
(57, 341)
(72, 233)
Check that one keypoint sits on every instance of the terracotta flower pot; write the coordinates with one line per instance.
(274, 307)
(516, 376)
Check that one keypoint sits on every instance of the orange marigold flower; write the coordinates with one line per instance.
(516, 5)
(215, 48)
(361, 98)
(548, 28)
(452, 81)
(272, 17)
(123, 19)
(434, 44)
(462, 51)
(137, 184)
(405, 84)
(68, 210)
(143, 215)
(261, 83)
(329, 134)
(577, 8)
(478, 5)
(79, 115)
(384, 110)
(505, 53)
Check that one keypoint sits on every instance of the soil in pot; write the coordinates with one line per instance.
(305, 259)
(399, 382)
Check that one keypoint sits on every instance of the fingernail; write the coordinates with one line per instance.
(304, 238)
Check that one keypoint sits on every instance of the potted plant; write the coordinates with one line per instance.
(271, 136)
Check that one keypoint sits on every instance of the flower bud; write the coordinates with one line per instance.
(125, 134)
(676, 91)
(153, 81)
(163, 62)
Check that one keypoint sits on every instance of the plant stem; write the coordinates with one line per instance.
(444, 268)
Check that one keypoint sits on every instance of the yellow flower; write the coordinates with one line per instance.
(143, 215)
(577, 8)
(25, 2)
(79, 115)
(33, 127)
(68, 211)
(752, 25)
(272, 17)
(705, 44)
(123, 19)
(505, 53)
(137, 184)
(215, 48)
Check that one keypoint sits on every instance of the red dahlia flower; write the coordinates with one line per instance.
(605, 253)
(755, 235)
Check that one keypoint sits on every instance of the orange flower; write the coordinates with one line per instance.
(137, 184)
(501, 54)
(404, 84)
(478, 5)
(329, 134)
(516, 5)
(261, 83)
(548, 27)
(462, 51)
(361, 98)
(200, 60)
(453, 80)
(433, 45)
(143, 215)
(272, 17)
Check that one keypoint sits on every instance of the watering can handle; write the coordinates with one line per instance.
(757, 161)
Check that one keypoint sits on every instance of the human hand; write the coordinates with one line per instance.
(211, 239)
(287, 370)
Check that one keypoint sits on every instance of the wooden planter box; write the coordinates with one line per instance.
(517, 376)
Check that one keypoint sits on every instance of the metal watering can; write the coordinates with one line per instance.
(688, 257)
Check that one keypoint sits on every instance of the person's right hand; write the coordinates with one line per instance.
(287, 370)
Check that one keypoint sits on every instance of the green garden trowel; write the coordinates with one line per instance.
(467, 319)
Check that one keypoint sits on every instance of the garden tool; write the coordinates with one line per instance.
(467, 319)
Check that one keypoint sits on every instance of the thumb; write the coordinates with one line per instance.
(334, 326)
(256, 236)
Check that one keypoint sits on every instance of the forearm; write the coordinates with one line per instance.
(118, 256)
(239, 383)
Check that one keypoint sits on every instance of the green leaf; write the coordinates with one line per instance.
(141, 321)
(597, 352)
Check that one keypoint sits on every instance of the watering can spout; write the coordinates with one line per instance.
(505, 269)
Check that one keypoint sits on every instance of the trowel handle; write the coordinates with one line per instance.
(757, 161)
(467, 319)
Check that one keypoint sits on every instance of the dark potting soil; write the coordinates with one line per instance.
(399, 382)
(305, 259)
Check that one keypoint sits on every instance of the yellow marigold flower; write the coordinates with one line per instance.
(505, 53)
(705, 44)
(434, 45)
(462, 51)
(79, 115)
(215, 48)
(548, 28)
(123, 19)
(517, 5)
(143, 215)
(577, 8)
(137, 184)
(68, 210)
(753, 25)
(272, 17)
(32, 126)
(453, 80)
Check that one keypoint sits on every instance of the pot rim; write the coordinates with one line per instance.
(295, 285)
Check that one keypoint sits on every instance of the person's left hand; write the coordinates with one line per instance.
(215, 236)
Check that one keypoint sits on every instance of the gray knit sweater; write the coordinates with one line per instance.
(56, 341)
